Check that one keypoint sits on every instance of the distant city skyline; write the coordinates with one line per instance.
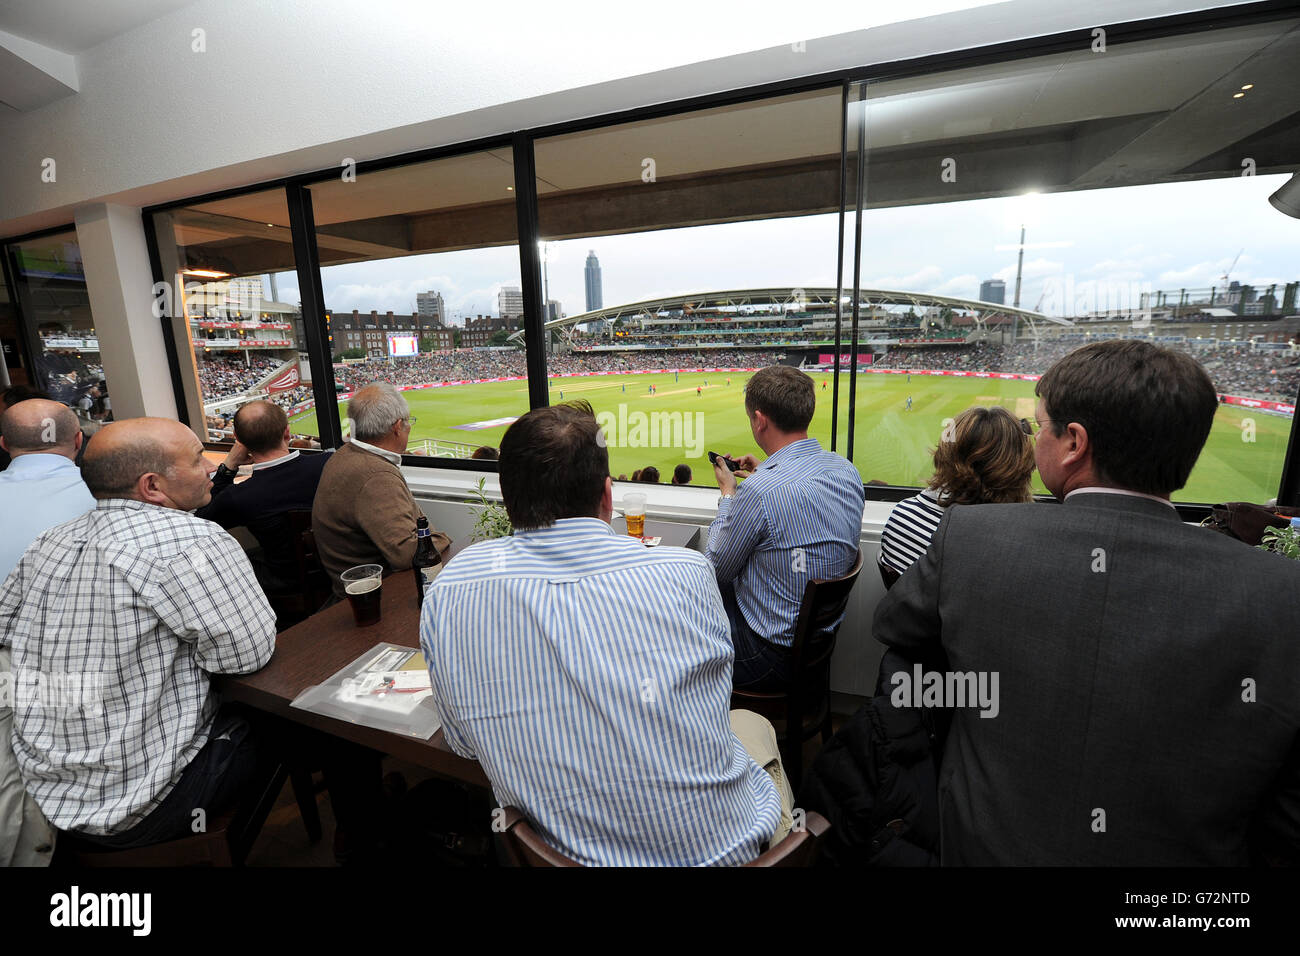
(1098, 245)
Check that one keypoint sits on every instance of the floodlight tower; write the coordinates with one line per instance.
(1020, 265)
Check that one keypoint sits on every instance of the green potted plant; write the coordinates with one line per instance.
(1283, 541)
(492, 520)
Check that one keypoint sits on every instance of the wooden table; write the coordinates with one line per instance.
(674, 535)
(313, 651)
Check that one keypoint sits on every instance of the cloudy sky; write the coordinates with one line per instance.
(1088, 245)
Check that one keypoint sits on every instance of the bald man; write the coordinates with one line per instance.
(8, 399)
(282, 481)
(121, 615)
(40, 489)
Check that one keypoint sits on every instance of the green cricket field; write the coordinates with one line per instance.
(667, 419)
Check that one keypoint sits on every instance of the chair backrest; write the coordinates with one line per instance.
(525, 848)
(523, 845)
(311, 572)
(823, 604)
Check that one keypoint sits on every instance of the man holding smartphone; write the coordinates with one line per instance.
(796, 517)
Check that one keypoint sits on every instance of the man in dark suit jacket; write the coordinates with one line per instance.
(282, 481)
(1148, 672)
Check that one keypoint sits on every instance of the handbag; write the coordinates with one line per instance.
(1247, 522)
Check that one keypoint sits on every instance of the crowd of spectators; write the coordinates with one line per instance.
(292, 397)
(1234, 370)
(470, 365)
(222, 378)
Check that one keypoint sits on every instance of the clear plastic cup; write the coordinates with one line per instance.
(634, 513)
(362, 585)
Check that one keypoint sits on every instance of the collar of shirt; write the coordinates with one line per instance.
(37, 465)
(1118, 491)
(565, 528)
(130, 504)
(795, 449)
(383, 453)
(262, 465)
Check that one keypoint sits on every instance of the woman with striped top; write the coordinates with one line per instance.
(985, 456)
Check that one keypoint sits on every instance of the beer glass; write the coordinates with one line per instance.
(634, 513)
(362, 585)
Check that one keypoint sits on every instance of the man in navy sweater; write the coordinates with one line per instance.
(282, 481)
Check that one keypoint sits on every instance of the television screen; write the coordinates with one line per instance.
(403, 346)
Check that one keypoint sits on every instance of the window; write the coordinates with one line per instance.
(51, 292)
(233, 300)
(681, 253)
(12, 371)
(412, 257)
(1140, 178)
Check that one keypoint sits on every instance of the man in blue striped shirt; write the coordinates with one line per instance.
(591, 677)
(797, 517)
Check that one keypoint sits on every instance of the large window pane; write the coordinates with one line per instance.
(420, 272)
(236, 311)
(680, 252)
(12, 369)
(52, 293)
(1139, 179)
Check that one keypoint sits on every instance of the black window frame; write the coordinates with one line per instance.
(521, 142)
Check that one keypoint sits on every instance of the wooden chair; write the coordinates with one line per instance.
(229, 837)
(803, 708)
(312, 586)
(525, 848)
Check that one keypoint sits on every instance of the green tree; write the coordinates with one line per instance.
(455, 338)
(351, 354)
(500, 338)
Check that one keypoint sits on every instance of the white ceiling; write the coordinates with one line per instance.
(71, 26)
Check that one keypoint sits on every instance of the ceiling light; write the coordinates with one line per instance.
(1237, 96)
(205, 273)
(1249, 86)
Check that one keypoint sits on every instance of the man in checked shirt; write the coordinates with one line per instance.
(116, 619)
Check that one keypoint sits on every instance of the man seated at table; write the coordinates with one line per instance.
(364, 512)
(115, 620)
(41, 489)
(282, 481)
(796, 517)
(591, 676)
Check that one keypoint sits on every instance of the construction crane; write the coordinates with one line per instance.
(1224, 277)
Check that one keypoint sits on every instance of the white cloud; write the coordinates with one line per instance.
(918, 281)
(960, 287)
(1203, 273)
(1034, 268)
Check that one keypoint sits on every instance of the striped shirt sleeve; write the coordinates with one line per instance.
(908, 531)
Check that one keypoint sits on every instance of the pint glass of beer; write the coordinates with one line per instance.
(362, 585)
(634, 513)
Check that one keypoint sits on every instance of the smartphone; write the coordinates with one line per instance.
(731, 463)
